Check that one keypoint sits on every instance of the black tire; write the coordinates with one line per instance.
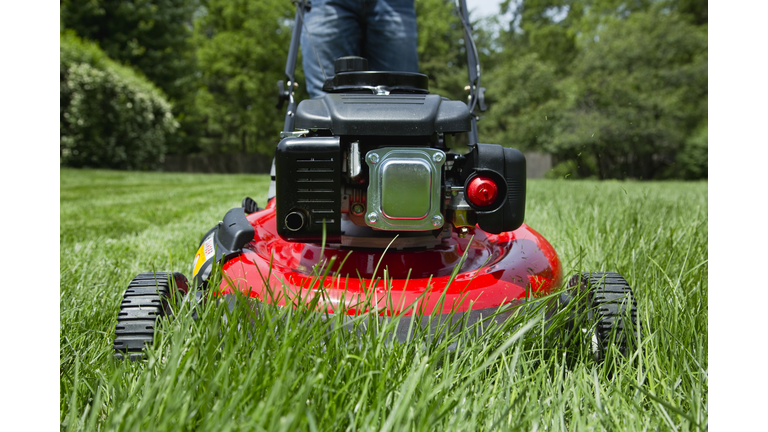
(612, 306)
(147, 299)
(250, 206)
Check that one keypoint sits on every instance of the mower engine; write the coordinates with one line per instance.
(368, 160)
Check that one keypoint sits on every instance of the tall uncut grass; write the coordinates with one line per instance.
(293, 369)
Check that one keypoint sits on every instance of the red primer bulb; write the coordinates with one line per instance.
(482, 191)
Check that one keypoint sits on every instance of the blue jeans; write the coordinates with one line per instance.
(383, 31)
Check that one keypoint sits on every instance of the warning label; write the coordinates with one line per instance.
(205, 253)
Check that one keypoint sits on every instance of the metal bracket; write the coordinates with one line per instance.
(294, 134)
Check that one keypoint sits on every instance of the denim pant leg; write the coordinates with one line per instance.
(337, 28)
(391, 39)
(334, 31)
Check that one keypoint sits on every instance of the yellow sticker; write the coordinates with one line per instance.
(199, 260)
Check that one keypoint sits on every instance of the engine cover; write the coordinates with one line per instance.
(404, 188)
(383, 115)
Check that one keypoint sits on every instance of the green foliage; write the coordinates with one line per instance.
(441, 48)
(110, 116)
(612, 88)
(154, 37)
(693, 157)
(241, 51)
(636, 93)
(520, 97)
(443, 57)
(696, 11)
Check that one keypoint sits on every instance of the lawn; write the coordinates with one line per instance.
(291, 372)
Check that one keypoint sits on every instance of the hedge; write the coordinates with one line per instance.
(110, 115)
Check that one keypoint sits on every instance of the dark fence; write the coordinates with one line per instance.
(537, 164)
(233, 163)
(252, 163)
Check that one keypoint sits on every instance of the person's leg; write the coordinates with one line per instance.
(332, 30)
(391, 39)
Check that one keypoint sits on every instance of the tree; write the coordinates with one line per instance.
(523, 103)
(241, 51)
(153, 36)
(442, 56)
(638, 91)
(537, 51)
(693, 10)
(612, 88)
(242, 47)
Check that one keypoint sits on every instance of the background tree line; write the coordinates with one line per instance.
(611, 88)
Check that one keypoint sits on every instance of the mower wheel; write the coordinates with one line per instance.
(250, 206)
(147, 299)
(611, 305)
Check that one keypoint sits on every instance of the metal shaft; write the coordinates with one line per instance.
(472, 69)
(290, 66)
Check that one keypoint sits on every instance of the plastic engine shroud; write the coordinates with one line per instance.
(498, 270)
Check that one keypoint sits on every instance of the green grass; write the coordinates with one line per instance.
(290, 370)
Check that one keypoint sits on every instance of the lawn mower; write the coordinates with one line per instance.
(366, 193)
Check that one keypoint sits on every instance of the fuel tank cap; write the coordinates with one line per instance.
(350, 64)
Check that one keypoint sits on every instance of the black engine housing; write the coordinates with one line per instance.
(308, 188)
(317, 184)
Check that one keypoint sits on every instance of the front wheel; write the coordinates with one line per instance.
(147, 299)
(611, 306)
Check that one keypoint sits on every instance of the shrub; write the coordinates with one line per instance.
(110, 115)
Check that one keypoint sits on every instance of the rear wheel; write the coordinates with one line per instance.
(147, 299)
(611, 306)
(250, 206)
